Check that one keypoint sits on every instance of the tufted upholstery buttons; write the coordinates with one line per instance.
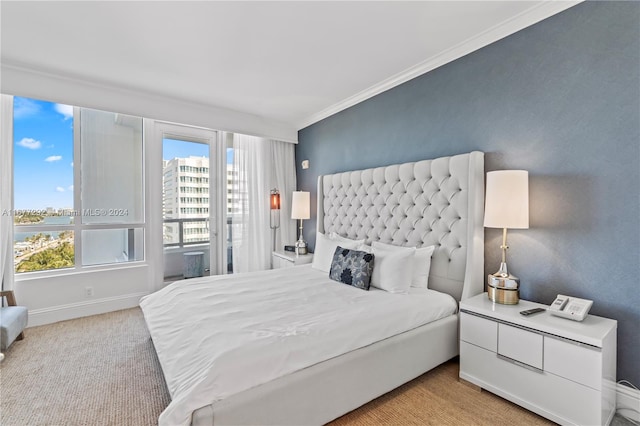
(411, 204)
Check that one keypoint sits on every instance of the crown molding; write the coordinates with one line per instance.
(510, 26)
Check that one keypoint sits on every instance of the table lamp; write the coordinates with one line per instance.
(300, 210)
(506, 206)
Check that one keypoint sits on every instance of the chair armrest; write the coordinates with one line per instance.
(11, 299)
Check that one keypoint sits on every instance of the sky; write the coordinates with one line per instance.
(43, 154)
(172, 148)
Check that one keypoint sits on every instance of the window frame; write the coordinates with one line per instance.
(78, 226)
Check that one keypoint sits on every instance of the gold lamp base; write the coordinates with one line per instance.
(503, 296)
(301, 247)
(502, 287)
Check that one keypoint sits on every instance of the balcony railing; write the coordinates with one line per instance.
(174, 232)
(177, 226)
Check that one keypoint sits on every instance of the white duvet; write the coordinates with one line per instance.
(217, 336)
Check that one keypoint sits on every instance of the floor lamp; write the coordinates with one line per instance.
(274, 204)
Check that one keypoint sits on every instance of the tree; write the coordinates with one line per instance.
(65, 235)
(62, 256)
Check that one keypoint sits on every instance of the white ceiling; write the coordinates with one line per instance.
(290, 62)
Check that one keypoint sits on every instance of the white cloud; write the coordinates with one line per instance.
(53, 158)
(70, 188)
(66, 110)
(23, 107)
(59, 189)
(71, 164)
(30, 143)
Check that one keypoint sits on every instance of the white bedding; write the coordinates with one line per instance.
(217, 336)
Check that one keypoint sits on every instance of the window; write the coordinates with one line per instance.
(78, 186)
(112, 193)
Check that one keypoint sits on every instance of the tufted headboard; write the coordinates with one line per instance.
(432, 202)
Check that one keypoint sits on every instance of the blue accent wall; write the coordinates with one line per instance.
(560, 99)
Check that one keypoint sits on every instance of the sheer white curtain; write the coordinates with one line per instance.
(251, 235)
(6, 192)
(260, 165)
(284, 179)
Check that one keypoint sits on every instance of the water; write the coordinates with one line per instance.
(19, 237)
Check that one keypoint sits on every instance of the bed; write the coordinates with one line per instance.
(291, 346)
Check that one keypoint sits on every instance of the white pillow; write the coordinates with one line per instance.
(392, 268)
(336, 237)
(421, 263)
(422, 266)
(366, 248)
(325, 249)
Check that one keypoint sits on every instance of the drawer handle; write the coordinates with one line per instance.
(520, 364)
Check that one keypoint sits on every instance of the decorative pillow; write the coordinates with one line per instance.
(352, 267)
(394, 268)
(324, 250)
(421, 262)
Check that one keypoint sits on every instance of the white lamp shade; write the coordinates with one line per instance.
(300, 205)
(507, 199)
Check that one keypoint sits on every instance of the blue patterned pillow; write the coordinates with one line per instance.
(352, 267)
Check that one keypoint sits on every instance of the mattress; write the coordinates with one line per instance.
(218, 336)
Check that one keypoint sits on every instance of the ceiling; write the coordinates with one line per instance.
(290, 62)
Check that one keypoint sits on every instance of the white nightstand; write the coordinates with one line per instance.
(561, 369)
(286, 259)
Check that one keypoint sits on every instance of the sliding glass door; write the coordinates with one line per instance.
(189, 200)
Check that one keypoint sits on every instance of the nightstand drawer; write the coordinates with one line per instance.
(520, 345)
(560, 400)
(573, 361)
(479, 331)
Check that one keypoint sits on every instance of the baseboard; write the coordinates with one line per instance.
(83, 309)
(628, 402)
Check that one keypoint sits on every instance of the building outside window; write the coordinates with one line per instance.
(193, 177)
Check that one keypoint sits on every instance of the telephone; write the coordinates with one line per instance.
(570, 307)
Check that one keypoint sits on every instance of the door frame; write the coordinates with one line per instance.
(217, 203)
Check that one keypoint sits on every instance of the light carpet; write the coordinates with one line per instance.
(98, 370)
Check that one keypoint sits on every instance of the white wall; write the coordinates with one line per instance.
(64, 295)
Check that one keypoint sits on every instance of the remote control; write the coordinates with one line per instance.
(532, 311)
